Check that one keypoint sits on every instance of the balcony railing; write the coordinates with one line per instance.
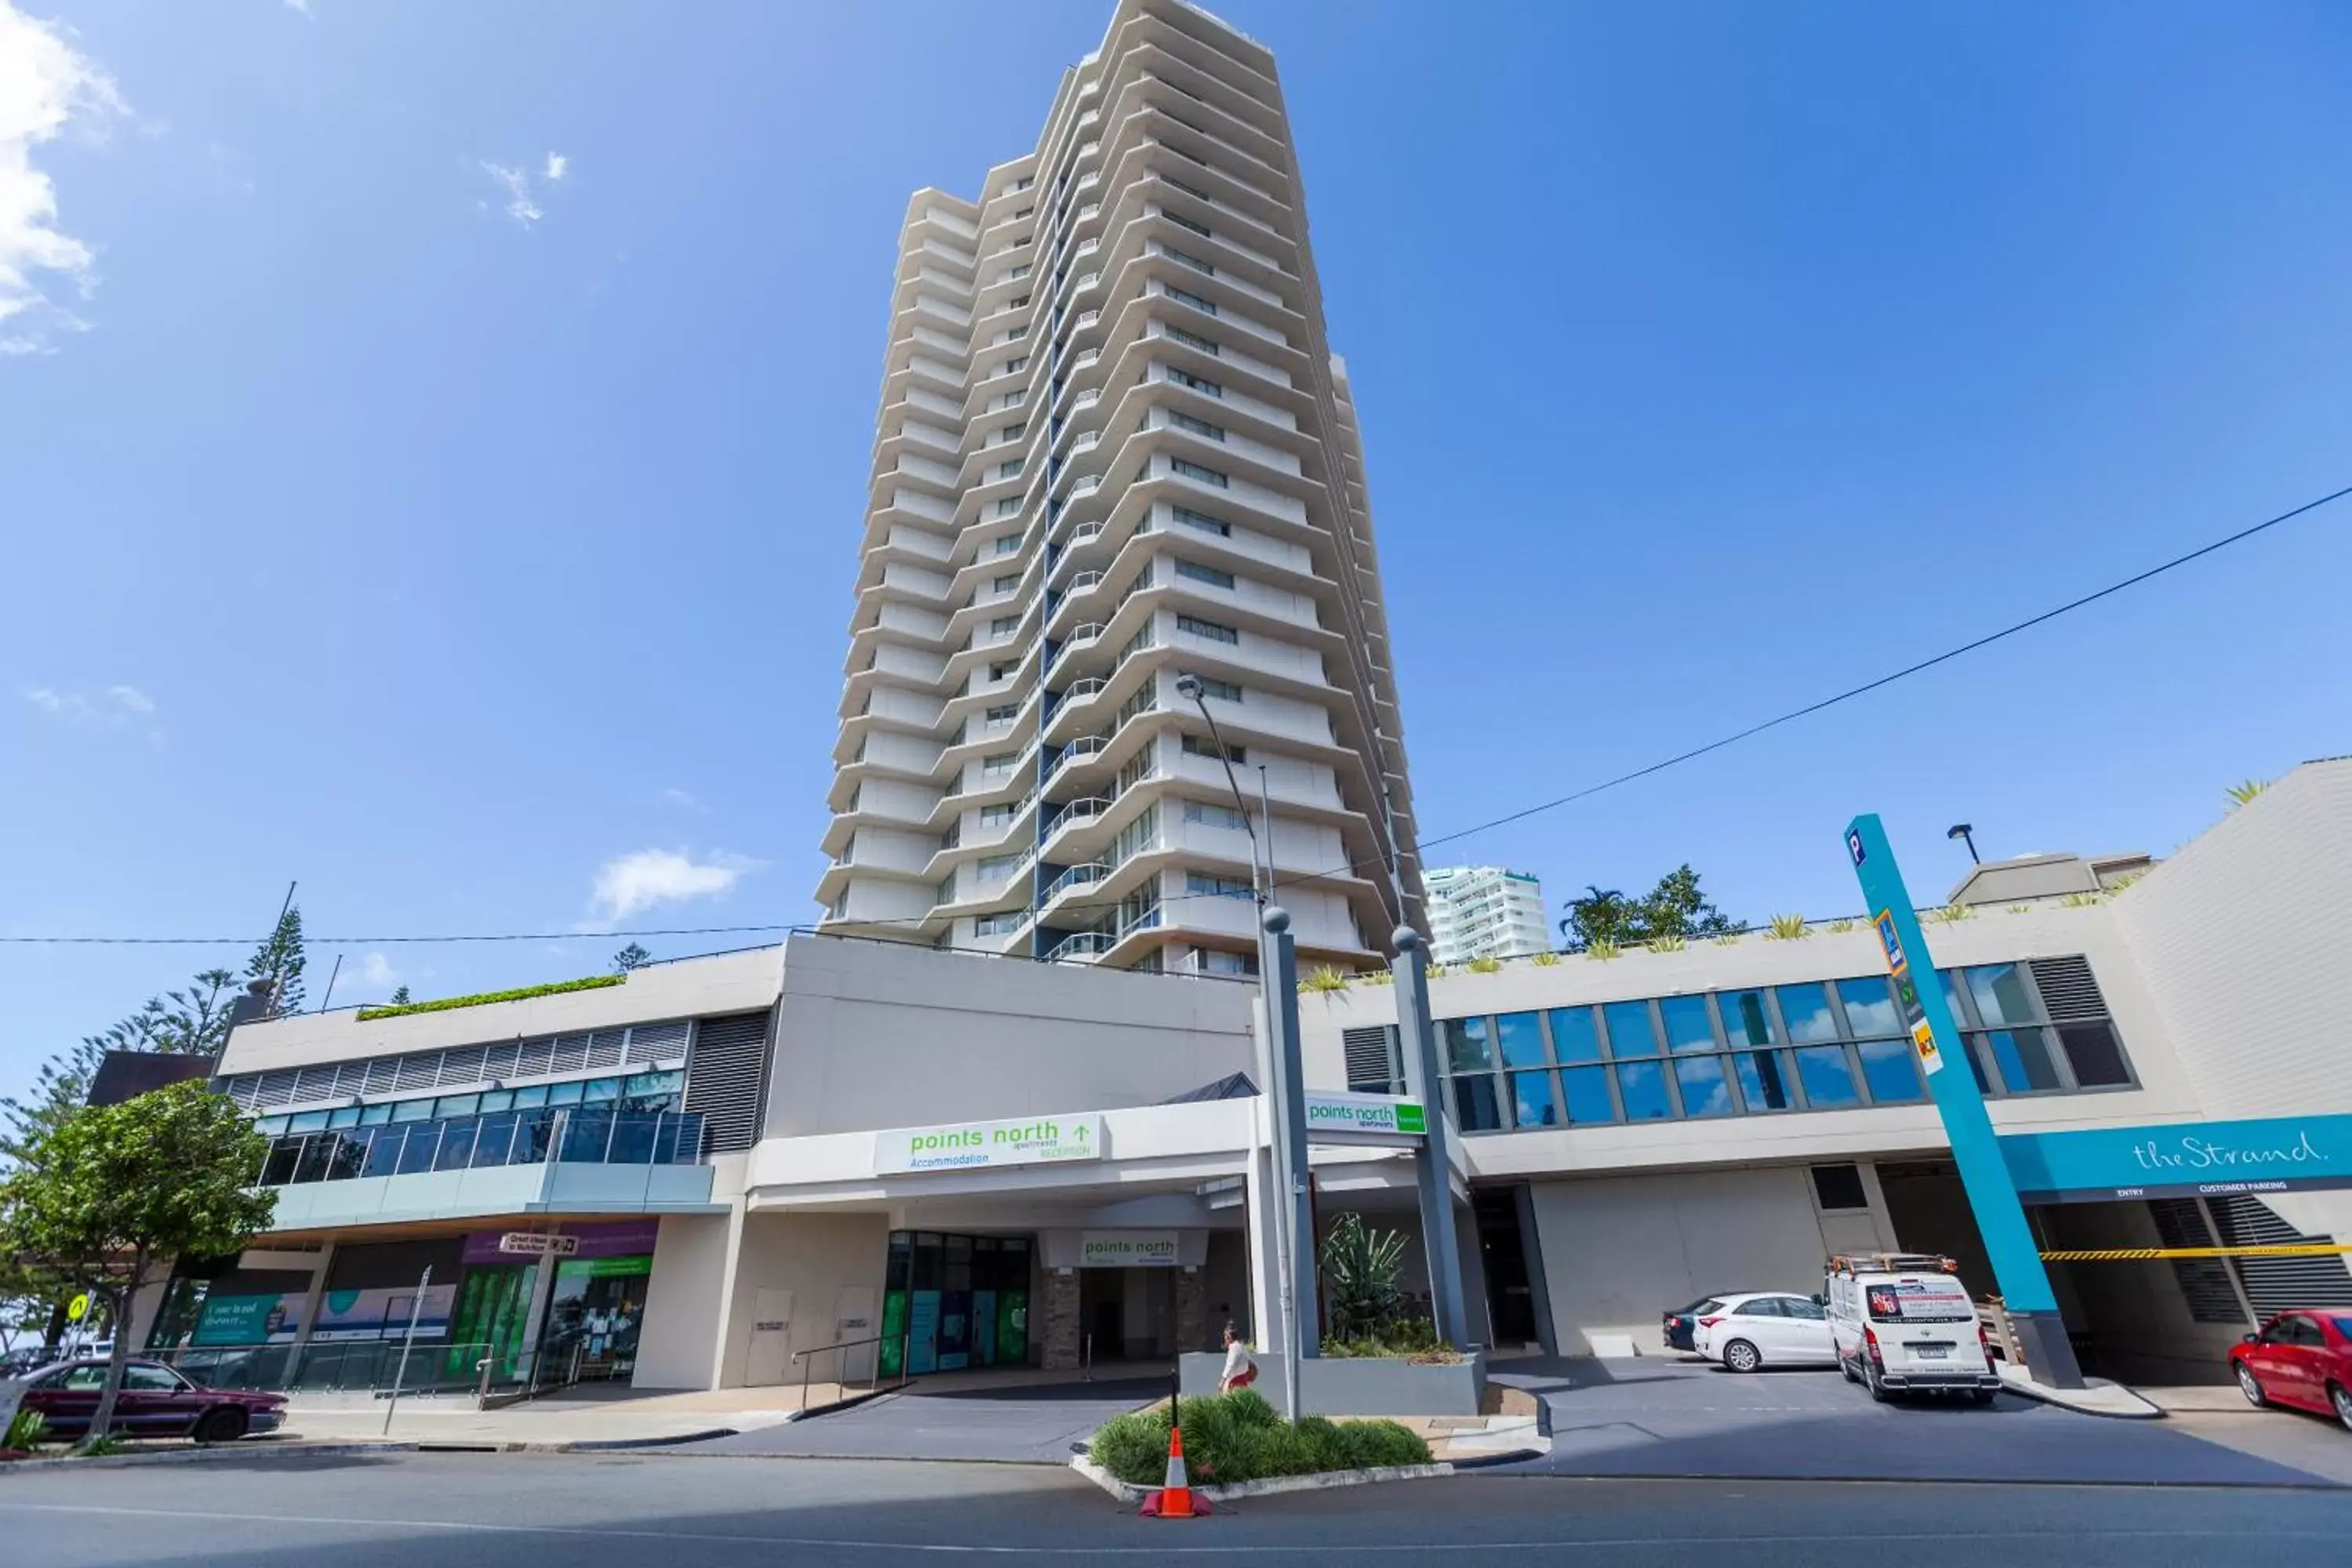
(576, 1135)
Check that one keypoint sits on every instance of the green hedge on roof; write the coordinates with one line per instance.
(593, 982)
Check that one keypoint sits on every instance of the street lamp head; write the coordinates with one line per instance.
(1275, 920)
(1958, 830)
(1187, 686)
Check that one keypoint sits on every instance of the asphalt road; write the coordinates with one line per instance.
(1034, 1422)
(456, 1511)
(1654, 1416)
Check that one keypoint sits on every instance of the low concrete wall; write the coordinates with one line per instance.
(1358, 1386)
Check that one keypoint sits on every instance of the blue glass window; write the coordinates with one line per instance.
(1688, 1028)
(1705, 1092)
(1764, 1079)
(1745, 1020)
(1586, 1092)
(457, 1145)
(1870, 1006)
(1630, 1034)
(1828, 1080)
(2000, 993)
(1467, 1048)
(1573, 1037)
(2023, 1057)
(1806, 1010)
(1643, 1086)
(1533, 1103)
(1521, 1039)
(1889, 1068)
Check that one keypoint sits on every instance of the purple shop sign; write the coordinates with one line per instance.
(621, 1238)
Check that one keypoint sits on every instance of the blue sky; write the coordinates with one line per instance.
(363, 527)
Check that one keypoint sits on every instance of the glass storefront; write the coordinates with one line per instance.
(953, 1301)
(594, 1318)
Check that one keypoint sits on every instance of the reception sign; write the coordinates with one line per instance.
(2186, 1159)
(1364, 1113)
(970, 1145)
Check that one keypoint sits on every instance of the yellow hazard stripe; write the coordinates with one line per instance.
(2137, 1253)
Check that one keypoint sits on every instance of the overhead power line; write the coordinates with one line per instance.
(1352, 869)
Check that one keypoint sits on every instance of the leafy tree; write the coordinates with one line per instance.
(399, 998)
(1675, 907)
(108, 1198)
(631, 957)
(193, 1022)
(280, 960)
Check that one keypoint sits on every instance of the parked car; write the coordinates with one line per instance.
(1903, 1323)
(155, 1402)
(1682, 1323)
(1765, 1328)
(26, 1359)
(2303, 1359)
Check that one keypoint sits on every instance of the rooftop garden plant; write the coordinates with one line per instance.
(522, 994)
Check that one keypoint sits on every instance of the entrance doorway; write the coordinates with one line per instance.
(952, 1301)
(1129, 1314)
(594, 1316)
(1503, 1252)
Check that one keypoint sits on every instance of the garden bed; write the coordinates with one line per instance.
(1234, 1440)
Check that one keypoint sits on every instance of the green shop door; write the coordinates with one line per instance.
(493, 1303)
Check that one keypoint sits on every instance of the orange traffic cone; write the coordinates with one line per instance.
(1175, 1500)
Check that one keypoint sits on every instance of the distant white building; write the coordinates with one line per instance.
(1484, 911)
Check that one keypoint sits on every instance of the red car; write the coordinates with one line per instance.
(2302, 1359)
(155, 1402)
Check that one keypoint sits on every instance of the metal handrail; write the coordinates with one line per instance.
(807, 1360)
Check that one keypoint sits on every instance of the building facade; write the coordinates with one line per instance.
(695, 1175)
(1484, 911)
(2158, 1048)
(1114, 448)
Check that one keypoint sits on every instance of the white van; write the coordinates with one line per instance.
(1903, 1322)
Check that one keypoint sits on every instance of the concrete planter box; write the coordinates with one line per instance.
(1357, 1387)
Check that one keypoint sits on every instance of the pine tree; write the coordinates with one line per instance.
(631, 957)
(399, 998)
(280, 961)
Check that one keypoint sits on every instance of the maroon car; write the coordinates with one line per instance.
(2303, 1359)
(155, 1402)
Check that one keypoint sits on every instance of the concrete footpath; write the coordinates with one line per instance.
(618, 1415)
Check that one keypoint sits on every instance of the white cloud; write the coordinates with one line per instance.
(522, 198)
(44, 84)
(370, 974)
(517, 184)
(685, 800)
(116, 708)
(632, 884)
(301, 6)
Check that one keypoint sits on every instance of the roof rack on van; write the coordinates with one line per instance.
(1892, 1263)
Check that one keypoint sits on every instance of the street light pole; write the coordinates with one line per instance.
(1278, 1057)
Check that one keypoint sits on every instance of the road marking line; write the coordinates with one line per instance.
(1267, 1549)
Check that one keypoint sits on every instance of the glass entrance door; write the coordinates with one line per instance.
(594, 1316)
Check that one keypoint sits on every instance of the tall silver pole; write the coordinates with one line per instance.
(1289, 1111)
(406, 1340)
(1417, 1043)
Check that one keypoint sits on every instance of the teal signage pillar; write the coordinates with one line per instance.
(1936, 1045)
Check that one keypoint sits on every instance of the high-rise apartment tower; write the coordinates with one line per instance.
(1484, 911)
(1113, 449)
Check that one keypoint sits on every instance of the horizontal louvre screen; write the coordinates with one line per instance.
(726, 1079)
(2277, 1284)
(2068, 991)
(1371, 1059)
(2204, 1281)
